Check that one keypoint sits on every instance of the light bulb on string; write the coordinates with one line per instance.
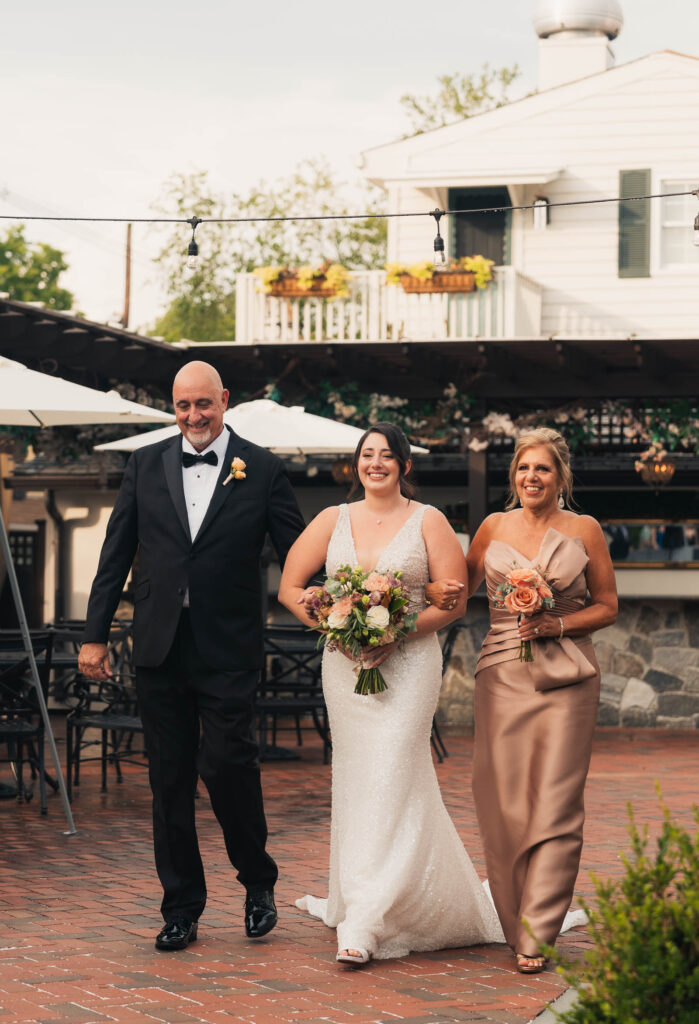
(439, 257)
(193, 248)
(695, 233)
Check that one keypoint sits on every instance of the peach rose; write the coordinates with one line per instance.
(377, 582)
(344, 606)
(524, 578)
(238, 464)
(522, 601)
(544, 591)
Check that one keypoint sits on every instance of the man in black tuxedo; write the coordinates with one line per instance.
(197, 635)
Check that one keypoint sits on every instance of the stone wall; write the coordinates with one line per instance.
(649, 660)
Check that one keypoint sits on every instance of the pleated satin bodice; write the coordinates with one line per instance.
(562, 560)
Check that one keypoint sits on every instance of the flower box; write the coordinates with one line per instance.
(291, 288)
(441, 281)
(327, 281)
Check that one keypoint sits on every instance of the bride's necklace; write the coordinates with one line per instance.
(379, 519)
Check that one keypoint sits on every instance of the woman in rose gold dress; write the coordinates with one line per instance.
(534, 721)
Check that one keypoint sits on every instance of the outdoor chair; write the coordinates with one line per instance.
(67, 639)
(21, 723)
(447, 650)
(290, 688)
(110, 708)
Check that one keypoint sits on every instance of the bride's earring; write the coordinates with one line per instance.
(561, 500)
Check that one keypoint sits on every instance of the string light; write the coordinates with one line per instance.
(439, 258)
(193, 248)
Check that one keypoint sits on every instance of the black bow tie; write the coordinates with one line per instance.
(211, 458)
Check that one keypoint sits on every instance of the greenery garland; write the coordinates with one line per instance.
(448, 422)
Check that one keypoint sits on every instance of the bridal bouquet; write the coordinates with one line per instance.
(523, 592)
(359, 611)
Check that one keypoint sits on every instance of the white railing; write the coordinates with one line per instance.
(509, 307)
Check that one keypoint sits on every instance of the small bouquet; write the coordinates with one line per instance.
(359, 611)
(523, 592)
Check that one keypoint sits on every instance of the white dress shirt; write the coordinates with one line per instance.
(199, 483)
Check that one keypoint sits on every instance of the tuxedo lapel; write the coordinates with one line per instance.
(236, 446)
(172, 463)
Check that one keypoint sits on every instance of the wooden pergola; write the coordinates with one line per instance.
(520, 374)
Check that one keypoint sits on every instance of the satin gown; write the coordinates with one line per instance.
(400, 878)
(533, 737)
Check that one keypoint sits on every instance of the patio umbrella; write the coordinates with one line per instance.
(30, 398)
(285, 430)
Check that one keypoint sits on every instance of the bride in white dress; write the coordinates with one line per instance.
(400, 878)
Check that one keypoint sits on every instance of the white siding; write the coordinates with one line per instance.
(645, 115)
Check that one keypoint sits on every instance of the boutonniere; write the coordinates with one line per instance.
(237, 471)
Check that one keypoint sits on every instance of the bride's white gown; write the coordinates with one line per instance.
(400, 878)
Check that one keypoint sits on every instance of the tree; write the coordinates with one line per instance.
(203, 301)
(460, 96)
(29, 272)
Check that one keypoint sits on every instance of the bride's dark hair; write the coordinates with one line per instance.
(400, 447)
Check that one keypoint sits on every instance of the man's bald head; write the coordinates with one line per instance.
(200, 401)
(198, 372)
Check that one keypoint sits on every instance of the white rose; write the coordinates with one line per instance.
(336, 620)
(378, 617)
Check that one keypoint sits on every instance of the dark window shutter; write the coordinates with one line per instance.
(634, 224)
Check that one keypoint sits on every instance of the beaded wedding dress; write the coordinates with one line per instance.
(400, 878)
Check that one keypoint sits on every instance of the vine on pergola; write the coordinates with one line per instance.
(450, 421)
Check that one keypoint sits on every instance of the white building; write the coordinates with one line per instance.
(593, 130)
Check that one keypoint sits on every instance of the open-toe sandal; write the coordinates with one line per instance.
(530, 964)
(356, 956)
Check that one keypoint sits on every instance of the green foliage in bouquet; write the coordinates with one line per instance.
(358, 611)
(644, 965)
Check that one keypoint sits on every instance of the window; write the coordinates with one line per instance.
(677, 215)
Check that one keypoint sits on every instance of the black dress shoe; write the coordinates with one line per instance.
(177, 934)
(260, 913)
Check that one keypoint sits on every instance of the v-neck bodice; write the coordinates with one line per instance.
(405, 551)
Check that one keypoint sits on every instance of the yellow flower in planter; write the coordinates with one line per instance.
(330, 277)
(425, 270)
(268, 275)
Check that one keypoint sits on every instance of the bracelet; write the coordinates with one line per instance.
(560, 635)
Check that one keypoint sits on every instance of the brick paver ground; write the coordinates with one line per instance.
(79, 914)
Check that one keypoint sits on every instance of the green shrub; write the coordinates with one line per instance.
(643, 967)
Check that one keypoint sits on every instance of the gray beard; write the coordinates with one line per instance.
(201, 440)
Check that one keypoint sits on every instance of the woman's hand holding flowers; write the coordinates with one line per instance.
(539, 625)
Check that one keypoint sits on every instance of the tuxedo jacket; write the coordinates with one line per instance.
(221, 567)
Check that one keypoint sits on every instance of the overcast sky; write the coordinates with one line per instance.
(102, 104)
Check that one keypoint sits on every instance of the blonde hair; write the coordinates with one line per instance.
(560, 451)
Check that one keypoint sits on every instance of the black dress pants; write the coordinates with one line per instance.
(198, 721)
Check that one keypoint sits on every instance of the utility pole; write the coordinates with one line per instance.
(127, 280)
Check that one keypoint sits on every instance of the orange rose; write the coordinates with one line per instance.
(523, 601)
(544, 591)
(524, 578)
